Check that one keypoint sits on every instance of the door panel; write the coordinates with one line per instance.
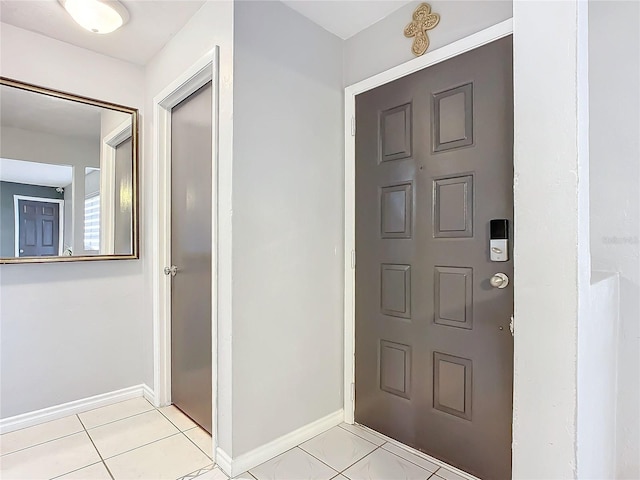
(122, 225)
(39, 228)
(434, 356)
(191, 170)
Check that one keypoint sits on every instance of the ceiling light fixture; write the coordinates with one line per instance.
(97, 16)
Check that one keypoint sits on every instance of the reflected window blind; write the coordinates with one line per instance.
(92, 222)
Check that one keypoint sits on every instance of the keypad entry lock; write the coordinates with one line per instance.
(499, 240)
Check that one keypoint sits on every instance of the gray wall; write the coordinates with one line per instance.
(70, 330)
(7, 210)
(287, 223)
(614, 76)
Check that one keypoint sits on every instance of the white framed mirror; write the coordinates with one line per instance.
(68, 177)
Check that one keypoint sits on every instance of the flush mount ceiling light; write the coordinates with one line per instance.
(97, 16)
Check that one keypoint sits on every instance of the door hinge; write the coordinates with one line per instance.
(353, 391)
(353, 126)
(353, 259)
(511, 327)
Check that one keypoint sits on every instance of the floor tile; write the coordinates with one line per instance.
(244, 476)
(50, 459)
(94, 472)
(215, 474)
(293, 465)
(384, 465)
(361, 432)
(178, 418)
(118, 437)
(28, 437)
(202, 439)
(412, 457)
(338, 448)
(166, 459)
(117, 411)
(210, 472)
(449, 475)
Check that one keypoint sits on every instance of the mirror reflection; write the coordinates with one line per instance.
(67, 177)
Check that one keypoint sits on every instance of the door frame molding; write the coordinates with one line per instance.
(108, 183)
(483, 37)
(16, 222)
(199, 74)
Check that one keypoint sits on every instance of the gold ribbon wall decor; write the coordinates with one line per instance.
(423, 20)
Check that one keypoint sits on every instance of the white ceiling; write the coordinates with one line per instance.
(151, 25)
(42, 113)
(33, 173)
(345, 18)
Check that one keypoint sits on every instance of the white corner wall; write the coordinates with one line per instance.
(597, 383)
(61, 324)
(552, 265)
(614, 77)
(383, 44)
(209, 27)
(287, 223)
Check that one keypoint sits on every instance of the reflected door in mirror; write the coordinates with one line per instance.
(74, 149)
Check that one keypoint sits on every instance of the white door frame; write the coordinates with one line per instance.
(108, 184)
(196, 76)
(16, 222)
(488, 35)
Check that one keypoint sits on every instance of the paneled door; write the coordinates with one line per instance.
(191, 168)
(434, 352)
(38, 228)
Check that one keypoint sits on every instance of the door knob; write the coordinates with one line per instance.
(172, 270)
(499, 280)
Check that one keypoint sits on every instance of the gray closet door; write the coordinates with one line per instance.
(191, 151)
(434, 355)
(122, 225)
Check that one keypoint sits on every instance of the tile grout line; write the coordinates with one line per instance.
(76, 470)
(41, 443)
(119, 419)
(187, 436)
(94, 446)
(410, 461)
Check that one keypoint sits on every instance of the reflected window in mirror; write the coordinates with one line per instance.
(68, 176)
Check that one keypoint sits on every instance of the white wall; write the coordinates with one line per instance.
(62, 324)
(287, 223)
(552, 265)
(383, 45)
(212, 25)
(614, 76)
(597, 365)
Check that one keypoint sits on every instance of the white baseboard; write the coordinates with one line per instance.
(36, 417)
(247, 461)
(149, 395)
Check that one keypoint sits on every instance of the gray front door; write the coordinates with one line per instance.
(39, 228)
(191, 168)
(434, 355)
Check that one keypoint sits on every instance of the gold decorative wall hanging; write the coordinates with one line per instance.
(423, 20)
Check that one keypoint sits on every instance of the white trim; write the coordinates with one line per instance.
(198, 75)
(233, 467)
(459, 47)
(148, 394)
(37, 417)
(16, 221)
(107, 184)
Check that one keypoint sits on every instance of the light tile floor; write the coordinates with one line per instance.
(134, 440)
